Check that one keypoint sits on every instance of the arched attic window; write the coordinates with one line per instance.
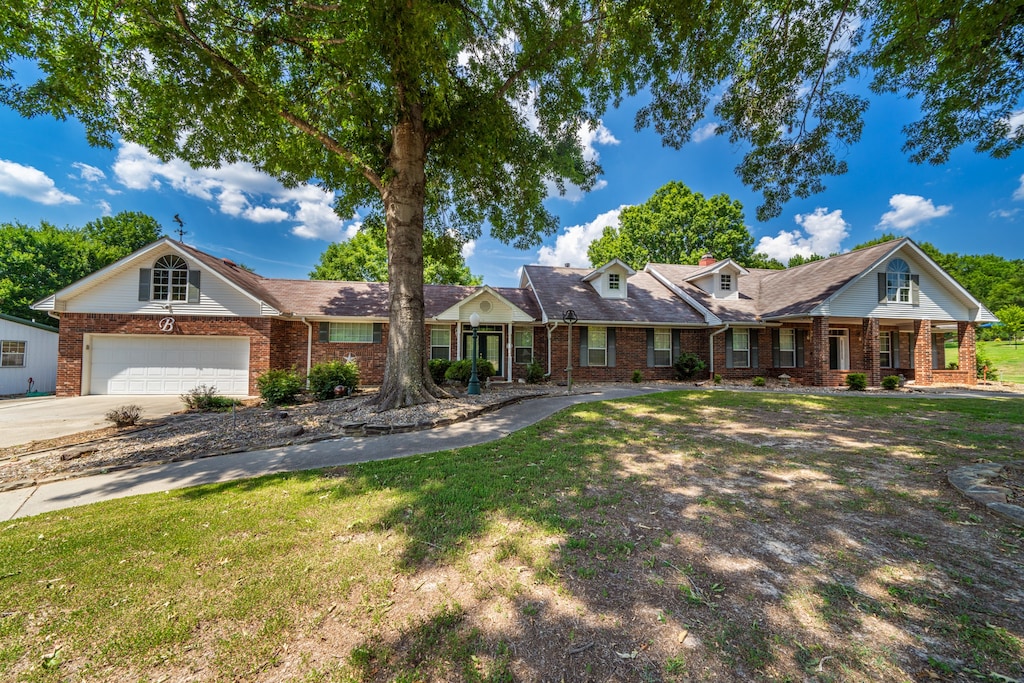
(897, 284)
(169, 280)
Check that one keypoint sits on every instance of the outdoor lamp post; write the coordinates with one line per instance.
(474, 381)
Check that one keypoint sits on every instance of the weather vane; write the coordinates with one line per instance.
(181, 227)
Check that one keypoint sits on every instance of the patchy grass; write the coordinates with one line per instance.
(708, 535)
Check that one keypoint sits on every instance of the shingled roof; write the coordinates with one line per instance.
(648, 301)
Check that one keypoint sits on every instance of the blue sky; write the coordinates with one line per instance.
(973, 204)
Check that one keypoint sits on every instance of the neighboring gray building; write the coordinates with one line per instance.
(28, 351)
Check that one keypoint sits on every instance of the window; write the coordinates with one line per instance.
(662, 348)
(441, 342)
(12, 354)
(741, 348)
(897, 282)
(787, 348)
(885, 349)
(358, 333)
(523, 340)
(726, 282)
(613, 281)
(170, 279)
(597, 346)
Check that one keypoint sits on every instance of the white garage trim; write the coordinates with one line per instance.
(150, 364)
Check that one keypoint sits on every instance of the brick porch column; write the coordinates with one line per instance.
(968, 351)
(923, 352)
(872, 357)
(819, 350)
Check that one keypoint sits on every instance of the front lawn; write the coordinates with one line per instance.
(1007, 357)
(695, 535)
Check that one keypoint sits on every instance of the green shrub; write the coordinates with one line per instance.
(279, 386)
(124, 416)
(637, 377)
(983, 361)
(205, 400)
(438, 366)
(460, 370)
(534, 373)
(759, 381)
(857, 381)
(688, 365)
(891, 382)
(718, 378)
(325, 377)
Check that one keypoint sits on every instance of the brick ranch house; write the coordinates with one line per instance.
(170, 317)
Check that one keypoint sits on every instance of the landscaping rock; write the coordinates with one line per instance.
(290, 431)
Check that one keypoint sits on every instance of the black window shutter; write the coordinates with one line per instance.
(800, 337)
(883, 290)
(753, 335)
(650, 347)
(145, 276)
(728, 348)
(775, 348)
(378, 332)
(894, 345)
(675, 344)
(193, 286)
(915, 290)
(611, 347)
(324, 333)
(584, 355)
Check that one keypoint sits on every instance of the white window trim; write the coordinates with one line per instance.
(745, 333)
(173, 279)
(791, 333)
(898, 284)
(338, 326)
(447, 347)
(5, 354)
(516, 346)
(725, 282)
(885, 354)
(591, 348)
(667, 346)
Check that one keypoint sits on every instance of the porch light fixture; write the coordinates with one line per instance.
(474, 382)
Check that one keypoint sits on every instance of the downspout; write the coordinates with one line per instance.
(309, 348)
(711, 341)
(550, 330)
(509, 351)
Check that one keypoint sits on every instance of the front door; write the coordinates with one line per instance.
(838, 350)
(488, 346)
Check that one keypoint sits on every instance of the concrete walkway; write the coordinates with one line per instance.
(343, 451)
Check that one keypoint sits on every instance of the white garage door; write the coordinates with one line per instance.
(169, 365)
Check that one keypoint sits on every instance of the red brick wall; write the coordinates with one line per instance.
(968, 352)
(369, 357)
(923, 352)
(73, 327)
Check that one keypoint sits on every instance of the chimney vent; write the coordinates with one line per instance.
(707, 260)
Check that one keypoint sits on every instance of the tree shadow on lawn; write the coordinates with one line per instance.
(638, 540)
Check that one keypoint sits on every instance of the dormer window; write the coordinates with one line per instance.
(613, 281)
(725, 283)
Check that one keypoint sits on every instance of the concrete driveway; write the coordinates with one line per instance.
(46, 417)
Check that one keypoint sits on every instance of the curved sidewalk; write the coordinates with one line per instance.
(342, 451)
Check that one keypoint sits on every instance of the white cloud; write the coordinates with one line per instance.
(239, 190)
(1015, 120)
(89, 174)
(589, 139)
(1019, 192)
(104, 207)
(910, 210)
(32, 184)
(823, 232)
(571, 246)
(1004, 213)
(468, 249)
(705, 132)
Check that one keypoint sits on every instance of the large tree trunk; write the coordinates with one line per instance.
(407, 378)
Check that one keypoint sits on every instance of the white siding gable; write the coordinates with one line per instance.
(492, 310)
(937, 298)
(118, 292)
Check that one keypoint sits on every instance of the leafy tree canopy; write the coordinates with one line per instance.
(37, 261)
(1011, 319)
(448, 115)
(364, 257)
(676, 225)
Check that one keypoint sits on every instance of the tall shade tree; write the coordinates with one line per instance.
(37, 261)
(1011, 319)
(447, 115)
(676, 225)
(364, 257)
